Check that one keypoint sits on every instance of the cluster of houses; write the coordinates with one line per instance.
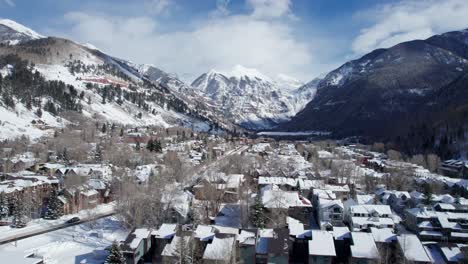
(32, 182)
(293, 243)
(311, 218)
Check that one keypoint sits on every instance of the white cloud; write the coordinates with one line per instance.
(217, 42)
(270, 8)
(409, 20)
(157, 7)
(222, 7)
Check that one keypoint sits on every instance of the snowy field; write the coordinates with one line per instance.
(85, 243)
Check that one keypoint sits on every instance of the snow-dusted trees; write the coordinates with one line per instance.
(4, 210)
(54, 207)
(257, 214)
(19, 212)
(154, 145)
(115, 255)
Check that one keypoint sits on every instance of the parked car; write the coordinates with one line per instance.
(73, 220)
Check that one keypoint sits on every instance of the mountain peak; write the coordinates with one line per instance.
(240, 71)
(20, 28)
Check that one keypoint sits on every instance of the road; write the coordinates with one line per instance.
(50, 228)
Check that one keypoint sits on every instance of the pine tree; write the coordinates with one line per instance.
(54, 207)
(4, 210)
(19, 216)
(137, 145)
(39, 112)
(115, 255)
(150, 145)
(258, 214)
(427, 193)
(157, 146)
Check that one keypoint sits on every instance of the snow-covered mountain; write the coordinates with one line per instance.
(94, 84)
(13, 33)
(413, 94)
(252, 99)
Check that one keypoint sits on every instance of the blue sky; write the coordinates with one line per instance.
(299, 38)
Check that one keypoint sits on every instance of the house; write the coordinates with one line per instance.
(283, 203)
(363, 248)
(342, 239)
(412, 249)
(163, 236)
(397, 200)
(385, 240)
(329, 213)
(177, 203)
(220, 185)
(321, 247)
(365, 216)
(454, 168)
(452, 254)
(247, 240)
(171, 252)
(89, 199)
(137, 245)
(273, 246)
(441, 222)
(221, 250)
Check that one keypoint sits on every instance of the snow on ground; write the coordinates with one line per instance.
(16, 122)
(124, 114)
(83, 243)
(42, 224)
(20, 28)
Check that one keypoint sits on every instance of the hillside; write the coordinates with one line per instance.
(108, 88)
(413, 94)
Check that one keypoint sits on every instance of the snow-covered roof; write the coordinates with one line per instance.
(296, 228)
(221, 248)
(166, 231)
(139, 234)
(324, 194)
(383, 235)
(246, 238)
(446, 206)
(412, 248)
(171, 249)
(278, 181)
(341, 232)
(204, 232)
(97, 184)
(283, 199)
(324, 203)
(373, 221)
(452, 254)
(365, 198)
(370, 208)
(322, 244)
(364, 246)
